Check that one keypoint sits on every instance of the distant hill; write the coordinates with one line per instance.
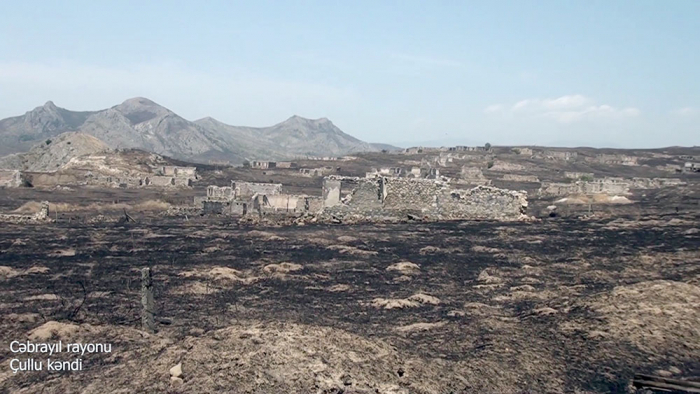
(53, 154)
(140, 123)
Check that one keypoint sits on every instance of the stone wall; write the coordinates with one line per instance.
(158, 180)
(41, 216)
(178, 171)
(218, 192)
(11, 178)
(385, 197)
(520, 178)
(596, 186)
(622, 160)
(655, 183)
(578, 175)
(245, 190)
(473, 176)
(331, 192)
(506, 166)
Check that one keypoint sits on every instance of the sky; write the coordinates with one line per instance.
(618, 73)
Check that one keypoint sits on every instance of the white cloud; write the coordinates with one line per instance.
(565, 109)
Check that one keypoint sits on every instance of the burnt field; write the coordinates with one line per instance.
(553, 306)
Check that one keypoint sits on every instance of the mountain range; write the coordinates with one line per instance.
(140, 123)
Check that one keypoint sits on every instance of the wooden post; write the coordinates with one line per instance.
(147, 303)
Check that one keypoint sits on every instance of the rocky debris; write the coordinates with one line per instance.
(176, 375)
(42, 216)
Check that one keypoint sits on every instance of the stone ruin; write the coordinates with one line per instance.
(461, 148)
(655, 183)
(520, 178)
(11, 178)
(41, 216)
(382, 198)
(578, 175)
(610, 186)
(556, 155)
(612, 159)
(425, 172)
(93, 173)
(607, 185)
(690, 167)
(374, 198)
(263, 165)
(506, 166)
(243, 198)
(315, 172)
(473, 176)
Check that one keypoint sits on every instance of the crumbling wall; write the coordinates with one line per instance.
(578, 175)
(178, 171)
(482, 202)
(506, 166)
(41, 216)
(596, 186)
(655, 183)
(473, 176)
(331, 192)
(245, 190)
(521, 178)
(286, 164)
(411, 194)
(386, 197)
(613, 159)
(220, 192)
(11, 178)
(157, 180)
(313, 204)
(281, 202)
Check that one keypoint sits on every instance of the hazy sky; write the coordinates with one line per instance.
(597, 73)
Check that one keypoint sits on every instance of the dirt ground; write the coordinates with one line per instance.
(560, 305)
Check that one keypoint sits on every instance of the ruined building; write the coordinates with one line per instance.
(559, 155)
(596, 186)
(243, 198)
(578, 175)
(41, 216)
(473, 176)
(11, 178)
(691, 167)
(654, 183)
(520, 178)
(398, 172)
(263, 165)
(386, 198)
(620, 160)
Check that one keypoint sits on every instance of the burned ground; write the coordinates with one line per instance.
(553, 306)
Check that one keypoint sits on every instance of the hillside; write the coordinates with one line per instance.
(142, 124)
(53, 154)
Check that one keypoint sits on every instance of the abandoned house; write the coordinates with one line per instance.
(242, 198)
(263, 165)
(620, 160)
(387, 197)
(691, 167)
(610, 186)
